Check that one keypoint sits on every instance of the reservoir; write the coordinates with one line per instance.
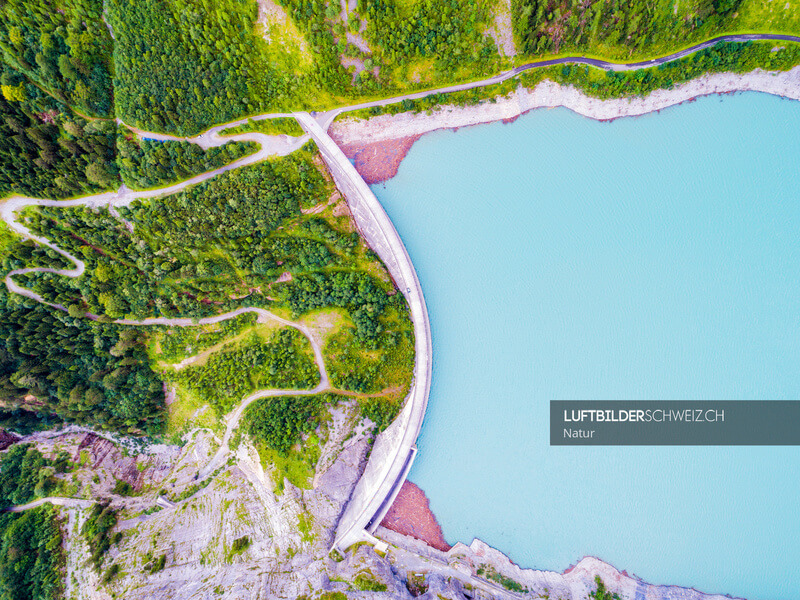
(655, 257)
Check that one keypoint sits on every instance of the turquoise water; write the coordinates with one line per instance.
(655, 257)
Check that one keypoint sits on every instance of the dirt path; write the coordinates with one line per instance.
(232, 420)
(56, 501)
(269, 145)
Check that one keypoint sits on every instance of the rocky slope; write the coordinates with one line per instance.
(234, 536)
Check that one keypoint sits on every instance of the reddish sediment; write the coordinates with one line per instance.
(377, 162)
(7, 439)
(411, 515)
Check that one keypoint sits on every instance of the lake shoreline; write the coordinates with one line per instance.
(676, 191)
(378, 145)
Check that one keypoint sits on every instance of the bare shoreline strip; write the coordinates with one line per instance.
(353, 133)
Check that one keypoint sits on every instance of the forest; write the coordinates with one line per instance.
(213, 247)
(201, 254)
(282, 362)
(147, 163)
(69, 69)
(26, 474)
(188, 254)
(47, 150)
(182, 65)
(24, 421)
(356, 291)
(65, 52)
(280, 422)
(447, 32)
(31, 555)
(619, 29)
(86, 372)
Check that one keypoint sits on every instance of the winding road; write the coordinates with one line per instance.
(395, 449)
(269, 146)
(232, 418)
(56, 501)
(327, 117)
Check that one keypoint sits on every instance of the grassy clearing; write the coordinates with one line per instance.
(286, 48)
(188, 411)
(326, 322)
(356, 367)
(770, 15)
(170, 345)
(294, 467)
(277, 126)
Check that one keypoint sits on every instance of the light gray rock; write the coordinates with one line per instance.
(196, 535)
